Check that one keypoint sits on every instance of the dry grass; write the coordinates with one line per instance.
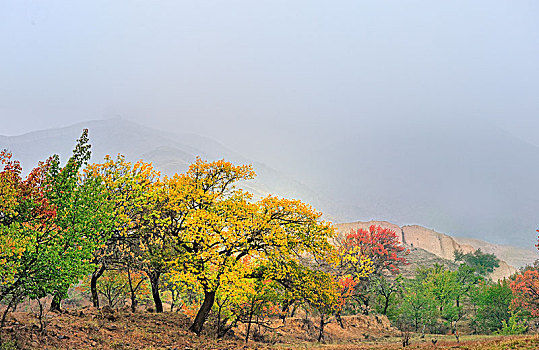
(528, 342)
(105, 329)
(91, 328)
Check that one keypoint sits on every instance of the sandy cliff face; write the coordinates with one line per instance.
(434, 242)
(503, 271)
(443, 246)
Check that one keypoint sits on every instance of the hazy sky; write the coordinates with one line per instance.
(291, 69)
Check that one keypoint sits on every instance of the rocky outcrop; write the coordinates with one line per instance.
(439, 244)
(418, 258)
(503, 271)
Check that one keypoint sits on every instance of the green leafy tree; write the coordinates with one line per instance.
(51, 226)
(517, 324)
(82, 216)
(436, 294)
(417, 309)
(443, 286)
(387, 294)
(482, 263)
(492, 301)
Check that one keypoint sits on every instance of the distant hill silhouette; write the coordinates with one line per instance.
(472, 180)
(168, 152)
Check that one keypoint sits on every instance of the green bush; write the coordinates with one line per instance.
(515, 325)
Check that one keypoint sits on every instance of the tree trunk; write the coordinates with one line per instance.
(40, 316)
(219, 308)
(386, 305)
(250, 321)
(98, 272)
(174, 297)
(366, 306)
(154, 281)
(132, 292)
(322, 324)
(203, 312)
(339, 319)
(55, 304)
(223, 330)
(4, 316)
(284, 311)
(293, 312)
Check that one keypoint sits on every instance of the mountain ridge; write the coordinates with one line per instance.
(169, 152)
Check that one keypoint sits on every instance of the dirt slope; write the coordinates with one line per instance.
(89, 328)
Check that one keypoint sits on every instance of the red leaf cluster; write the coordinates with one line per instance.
(525, 288)
(380, 244)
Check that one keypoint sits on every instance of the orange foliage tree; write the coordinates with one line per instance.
(525, 289)
(380, 245)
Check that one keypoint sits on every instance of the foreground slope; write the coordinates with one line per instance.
(110, 330)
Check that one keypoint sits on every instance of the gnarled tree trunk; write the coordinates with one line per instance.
(251, 312)
(203, 312)
(55, 303)
(321, 337)
(154, 281)
(98, 272)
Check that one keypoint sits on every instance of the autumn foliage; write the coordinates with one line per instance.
(380, 244)
(525, 287)
(49, 226)
(121, 227)
(126, 235)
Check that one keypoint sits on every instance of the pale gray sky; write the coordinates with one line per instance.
(298, 85)
(228, 68)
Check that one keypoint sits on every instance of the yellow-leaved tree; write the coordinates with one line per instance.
(214, 225)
